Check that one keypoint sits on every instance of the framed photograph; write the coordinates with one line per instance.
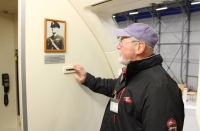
(54, 35)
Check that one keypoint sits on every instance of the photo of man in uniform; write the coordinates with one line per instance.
(55, 42)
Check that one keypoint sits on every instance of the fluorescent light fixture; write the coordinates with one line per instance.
(133, 13)
(113, 16)
(194, 3)
(164, 8)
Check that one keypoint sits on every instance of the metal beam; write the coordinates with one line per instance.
(22, 55)
(159, 32)
(182, 41)
(188, 40)
(164, 25)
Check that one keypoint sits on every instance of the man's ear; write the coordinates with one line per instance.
(141, 47)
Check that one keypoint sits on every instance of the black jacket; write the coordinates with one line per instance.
(150, 99)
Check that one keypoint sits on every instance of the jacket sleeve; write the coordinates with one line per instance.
(163, 110)
(99, 85)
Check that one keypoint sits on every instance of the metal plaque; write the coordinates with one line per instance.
(54, 59)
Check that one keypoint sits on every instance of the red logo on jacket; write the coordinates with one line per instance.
(171, 124)
(128, 100)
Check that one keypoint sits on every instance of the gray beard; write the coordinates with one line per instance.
(123, 61)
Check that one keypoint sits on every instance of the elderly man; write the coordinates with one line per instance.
(144, 97)
(55, 42)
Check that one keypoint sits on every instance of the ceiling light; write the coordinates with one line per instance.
(133, 13)
(162, 8)
(194, 3)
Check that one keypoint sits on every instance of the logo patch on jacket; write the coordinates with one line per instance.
(171, 124)
(127, 100)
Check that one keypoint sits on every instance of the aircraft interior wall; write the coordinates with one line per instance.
(56, 101)
(8, 114)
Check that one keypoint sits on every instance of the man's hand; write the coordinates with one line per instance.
(81, 73)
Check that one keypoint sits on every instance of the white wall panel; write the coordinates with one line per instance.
(56, 101)
(173, 22)
(195, 21)
(172, 51)
(193, 53)
(194, 37)
(176, 37)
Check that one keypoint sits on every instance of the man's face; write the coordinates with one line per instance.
(127, 47)
(54, 30)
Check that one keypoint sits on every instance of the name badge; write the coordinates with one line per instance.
(114, 105)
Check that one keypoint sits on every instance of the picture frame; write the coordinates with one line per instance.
(54, 35)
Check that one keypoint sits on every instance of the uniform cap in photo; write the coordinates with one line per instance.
(54, 24)
(140, 31)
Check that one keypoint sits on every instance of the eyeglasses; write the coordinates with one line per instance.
(124, 43)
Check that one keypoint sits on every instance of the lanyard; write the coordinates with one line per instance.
(121, 94)
(114, 95)
(118, 100)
